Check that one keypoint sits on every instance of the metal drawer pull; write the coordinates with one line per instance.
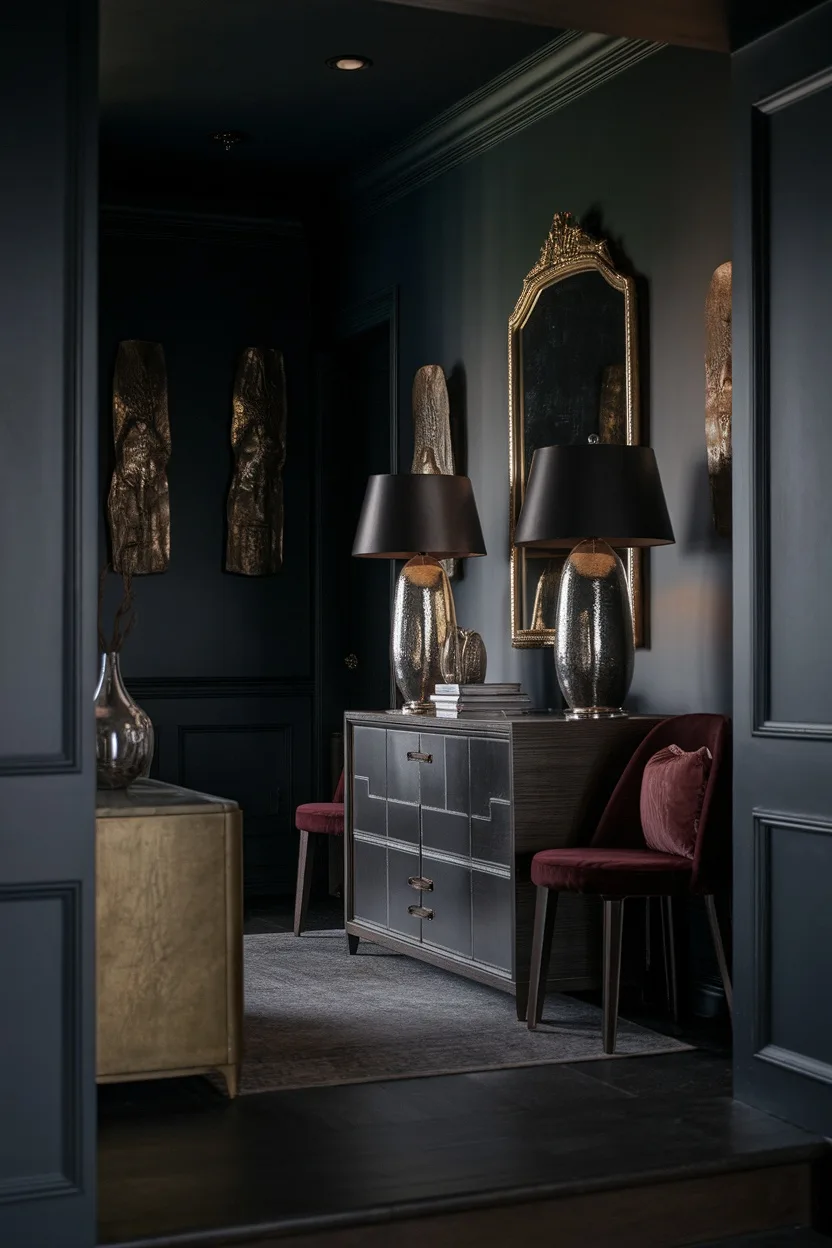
(420, 883)
(413, 756)
(420, 912)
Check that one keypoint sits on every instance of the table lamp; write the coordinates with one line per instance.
(588, 498)
(420, 518)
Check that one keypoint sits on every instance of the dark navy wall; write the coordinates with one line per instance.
(649, 152)
(224, 664)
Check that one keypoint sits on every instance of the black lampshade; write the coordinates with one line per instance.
(408, 514)
(613, 493)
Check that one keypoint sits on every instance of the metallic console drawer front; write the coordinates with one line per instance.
(369, 758)
(444, 782)
(403, 772)
(402, 868)
(369, 813)
(490, 773)
(444, 830)
(490, 788)
(493, 919)
(450, 901)
(491, 836)
(370, 867)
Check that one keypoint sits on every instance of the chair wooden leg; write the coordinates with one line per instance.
(613, 927)
(306, 857)
(544, 925)
(669, 941)
(719, 949)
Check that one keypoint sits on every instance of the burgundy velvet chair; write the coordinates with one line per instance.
(617, 863)
(312, 820)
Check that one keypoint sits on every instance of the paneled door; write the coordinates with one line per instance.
(783, 572)
(48, 488)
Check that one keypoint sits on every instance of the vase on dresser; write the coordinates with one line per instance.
(124, 738)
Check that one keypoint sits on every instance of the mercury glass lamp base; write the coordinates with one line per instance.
(595, 712)
(423, 619)
(594, 639)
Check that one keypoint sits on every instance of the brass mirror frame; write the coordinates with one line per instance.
(568, 250)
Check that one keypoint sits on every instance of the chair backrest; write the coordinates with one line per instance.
(339, 788)
(620, 824)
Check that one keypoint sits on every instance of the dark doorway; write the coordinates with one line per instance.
(354, 609)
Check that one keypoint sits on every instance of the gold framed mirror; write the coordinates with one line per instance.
(572, 374)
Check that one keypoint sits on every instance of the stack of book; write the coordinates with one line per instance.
(485, 701)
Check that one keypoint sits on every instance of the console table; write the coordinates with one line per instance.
(443, 817)
(169, 935)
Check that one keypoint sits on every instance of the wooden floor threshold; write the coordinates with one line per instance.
(658, 1214)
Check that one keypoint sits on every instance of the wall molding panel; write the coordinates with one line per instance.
(765, 823)
(763, 723)
(250, 740)
(74, 400)
(68, 1180)
(562, 71)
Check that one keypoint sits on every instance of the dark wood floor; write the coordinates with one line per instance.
(175, 1156)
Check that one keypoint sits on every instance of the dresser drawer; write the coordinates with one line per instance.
(403, 766)
(369, 758)
(490, 788)
(370, 882)
(450, 902)
(492, 924)
(402, 867)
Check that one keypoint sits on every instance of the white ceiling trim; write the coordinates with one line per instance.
(568, 67)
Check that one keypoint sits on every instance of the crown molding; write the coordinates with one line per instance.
(125, 220)
(560, 72)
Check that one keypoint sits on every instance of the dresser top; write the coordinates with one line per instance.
(501, 725)
(153, 797)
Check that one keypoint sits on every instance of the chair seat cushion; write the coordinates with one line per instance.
(321, 817)
(612, 872)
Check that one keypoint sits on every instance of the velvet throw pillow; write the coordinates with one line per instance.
(672, 792)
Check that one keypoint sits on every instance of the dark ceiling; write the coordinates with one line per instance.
(175, 71)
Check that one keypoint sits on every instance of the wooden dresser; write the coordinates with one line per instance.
(169, 934)
(442, 819)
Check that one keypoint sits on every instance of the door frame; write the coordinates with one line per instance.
(351, 321)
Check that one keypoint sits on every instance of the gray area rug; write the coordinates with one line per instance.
(314, 1016)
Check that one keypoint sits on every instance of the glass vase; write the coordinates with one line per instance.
(124, 738)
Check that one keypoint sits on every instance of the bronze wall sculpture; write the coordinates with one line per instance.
(432, 448)
(138, 505)
(719, 394)
(258, 438)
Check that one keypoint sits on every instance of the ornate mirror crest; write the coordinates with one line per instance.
(573, 371)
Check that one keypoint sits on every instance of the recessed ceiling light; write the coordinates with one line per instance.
(349, 62)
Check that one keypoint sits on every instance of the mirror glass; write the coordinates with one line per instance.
(573, 372)
(573, 350)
